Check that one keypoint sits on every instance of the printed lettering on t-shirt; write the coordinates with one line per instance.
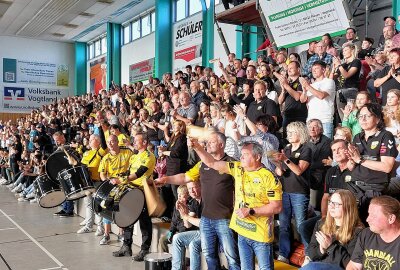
(378, 259)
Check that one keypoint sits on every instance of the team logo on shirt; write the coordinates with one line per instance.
(256, 180)
(374, 145)
(297, 155)
(347, 178)
(259, 108)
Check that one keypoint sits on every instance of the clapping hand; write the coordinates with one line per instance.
(353, 153)
(323, 240)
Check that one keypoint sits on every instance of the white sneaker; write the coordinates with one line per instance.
(22, 199)
(83, 223)
(11, 186)
(3, 181)
(99, 231)
(30, 195)
(85, 230)
(16, 189)
(33, 200)
(105, 240)
(20, 195)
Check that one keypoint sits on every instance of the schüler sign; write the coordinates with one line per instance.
(25, 99)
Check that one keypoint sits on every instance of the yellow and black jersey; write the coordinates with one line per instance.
(142, 164)
(92, 158)
(113, 165)
(254, 189)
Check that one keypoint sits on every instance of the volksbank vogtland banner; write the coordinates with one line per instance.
(25, 99)
(187, 42)
(34, 72)
(298, 22)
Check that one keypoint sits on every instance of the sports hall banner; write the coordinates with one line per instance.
(24, 99)
(34, 72)
(98, 75)
(141, 71)
(294, 23)
(187, 42)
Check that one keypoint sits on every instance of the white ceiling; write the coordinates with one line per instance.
(65, 20)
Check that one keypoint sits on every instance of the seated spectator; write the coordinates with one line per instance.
(335, 236)
(377, 246)
(389, 76)
(350, 112)
(190, 214)
(391, 113)
(177, 225)
(330, 46)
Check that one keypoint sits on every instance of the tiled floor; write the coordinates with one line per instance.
(31, 238)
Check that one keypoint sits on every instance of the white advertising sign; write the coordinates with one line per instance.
(187, 42)
(294, 23)
(25, 99)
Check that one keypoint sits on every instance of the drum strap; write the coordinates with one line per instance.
(93, 156)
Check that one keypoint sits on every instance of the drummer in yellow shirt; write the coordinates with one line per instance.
(258, 197)
(141, 169)
(92, 158)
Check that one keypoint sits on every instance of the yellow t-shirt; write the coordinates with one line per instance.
(113, 165)
(121, 138)
(194, 173)
(94, 157)
(255, 189)
(145, 158)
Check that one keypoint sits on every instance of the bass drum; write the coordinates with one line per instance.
(158, 261)
(130, 205)
(76, 182)
(57, 162)
(49, 193)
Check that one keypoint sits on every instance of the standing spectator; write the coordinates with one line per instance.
(320, 55)
(330, 46)
(320, 97)
(305, 55)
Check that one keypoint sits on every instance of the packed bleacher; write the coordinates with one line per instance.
(286, 157)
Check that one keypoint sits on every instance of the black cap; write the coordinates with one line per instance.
(389, 17)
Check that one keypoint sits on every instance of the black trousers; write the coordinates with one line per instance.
(146, 227)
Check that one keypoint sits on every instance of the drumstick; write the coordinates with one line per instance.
(72, 161)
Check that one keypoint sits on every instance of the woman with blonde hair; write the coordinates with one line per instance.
(217, 121)
(335, 237)
(293, 165)
(391, 112)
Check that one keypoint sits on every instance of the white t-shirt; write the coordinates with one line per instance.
(322, 109)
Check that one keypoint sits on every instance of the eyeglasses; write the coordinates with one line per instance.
(334, 204)
(365, 116)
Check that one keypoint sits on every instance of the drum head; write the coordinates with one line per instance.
(52, 199)
(158, 257)
(130, 207)
(57, 162)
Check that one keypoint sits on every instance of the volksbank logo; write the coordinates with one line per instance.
(14, 93)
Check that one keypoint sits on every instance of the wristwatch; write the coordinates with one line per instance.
(288, 161)
(361, 160)
(252, 212)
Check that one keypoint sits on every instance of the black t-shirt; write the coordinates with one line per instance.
(152, 134)
(353, 81)
(294, 109)
(291, 182)
(391, 83)
(266, 106)
(217, 192)
(336, 179)
(195, 207)
(374, 253)
(378, 145)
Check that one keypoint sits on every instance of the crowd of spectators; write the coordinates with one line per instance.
(327, 121)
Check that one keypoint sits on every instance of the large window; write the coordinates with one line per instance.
(97, 47)
(180, 10)
(194, 6)
(139, 27)
(146, 25)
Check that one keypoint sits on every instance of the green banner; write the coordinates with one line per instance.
(298, 9)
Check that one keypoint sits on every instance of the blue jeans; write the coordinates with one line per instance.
(68, 206)
(156, 144)
(212, 232)
(292, 204)
(328, 130)
(321, 266)
(263, 251)
(182, 240)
